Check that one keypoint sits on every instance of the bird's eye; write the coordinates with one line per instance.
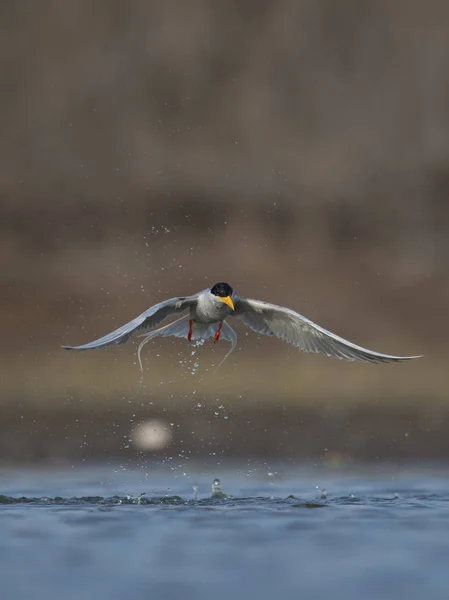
(222, 290)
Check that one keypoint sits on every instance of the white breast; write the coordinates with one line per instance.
(209, 309)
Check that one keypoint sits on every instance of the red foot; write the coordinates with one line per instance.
(189, 335)
(217, 333)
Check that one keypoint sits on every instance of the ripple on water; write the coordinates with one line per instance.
(224, 501)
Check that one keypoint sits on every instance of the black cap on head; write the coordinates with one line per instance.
(221, 289)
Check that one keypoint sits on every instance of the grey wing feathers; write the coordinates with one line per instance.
(297, 330)
(150, 318)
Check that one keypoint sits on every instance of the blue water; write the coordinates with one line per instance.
(139, 532)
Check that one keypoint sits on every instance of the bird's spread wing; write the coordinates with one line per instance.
(150, 318)
(293, 328)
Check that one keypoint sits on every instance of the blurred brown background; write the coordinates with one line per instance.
(297, 149)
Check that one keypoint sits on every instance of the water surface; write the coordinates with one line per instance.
(141, 532)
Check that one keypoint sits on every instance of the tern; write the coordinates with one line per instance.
(206, 316)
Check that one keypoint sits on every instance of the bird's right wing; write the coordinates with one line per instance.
(297, 330)
(150, 318)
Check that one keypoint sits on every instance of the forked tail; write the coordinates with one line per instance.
(200, 331)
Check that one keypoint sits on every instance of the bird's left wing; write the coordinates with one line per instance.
(150, 318)
(297, 330)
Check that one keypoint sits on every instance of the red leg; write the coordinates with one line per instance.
(217, 333)
(189, 335)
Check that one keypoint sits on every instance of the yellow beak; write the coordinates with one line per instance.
(227, 300)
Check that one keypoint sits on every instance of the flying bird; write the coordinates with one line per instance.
(206, 316)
